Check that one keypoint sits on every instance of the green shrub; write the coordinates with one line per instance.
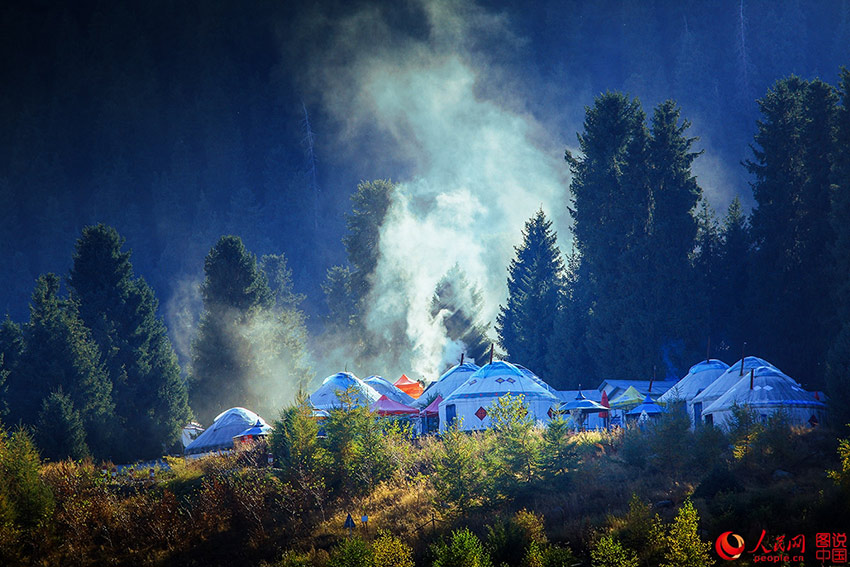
(682, 544)
(391, 551)
(463, 549)
(353, 552)
(609, 552)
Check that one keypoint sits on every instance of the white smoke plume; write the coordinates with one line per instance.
(479, 165)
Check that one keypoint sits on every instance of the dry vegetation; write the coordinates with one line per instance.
(609, 489)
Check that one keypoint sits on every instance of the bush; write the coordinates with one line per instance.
(463, 549)
(353, 552)
(391, 551)
(683, 546)
(608, 552)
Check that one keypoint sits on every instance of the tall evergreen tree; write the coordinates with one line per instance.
(59, 432)
(838, 368)
(706, 267)
(634, 196)
(732, 279)
(60, 353)
(568, 358)
(458, 303)
(228, 348)
(535, 284)
(151, 402)
(790, 225)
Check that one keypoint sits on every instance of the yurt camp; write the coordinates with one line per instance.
(470, 401)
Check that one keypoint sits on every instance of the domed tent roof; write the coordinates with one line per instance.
(648, 406)
(698, 378)
(535, 377)
(490, 382)
(450, 381)
(219, 436)
(771, 391)
(728, 379)
(385, 388)
(497, 379)
(325, 397)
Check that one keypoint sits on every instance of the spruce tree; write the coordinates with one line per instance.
(838, 362)
(790, 226)
(150, 396)
(535, 284)
(60, 353)
(732, 279)
(458, 302)
(224, 361)
(59, 431)
(567, 358)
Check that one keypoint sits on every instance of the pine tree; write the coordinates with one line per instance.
(672, 230)
(151, 403)
(225, 364)
(535, 284)
(706, 266)
(838, 361)
(458, 302)
(338, 299)
(59, 353)
(370, 204)
(610, 214)
(567, 356)
(790, 225)
(59, 431)
(732, 278)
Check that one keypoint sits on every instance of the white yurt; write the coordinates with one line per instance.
(386, 388)
(470, 401)
(766, 390)
(450, 381)
(536, 378)
(699, 377)
(326, 396)
(721, 385)
(219, 436)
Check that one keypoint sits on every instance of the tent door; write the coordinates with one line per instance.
(697, 413)
(451, 414)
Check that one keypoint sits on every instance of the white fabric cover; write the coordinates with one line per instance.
(219, 436)
(486, 385)
(699, 377)
(325, 397)
(386, 388)
(725, 381)
(772, 391)
(450, 381)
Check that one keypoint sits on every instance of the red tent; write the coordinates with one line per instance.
(409, 387)
(385, 406)
(433, 409)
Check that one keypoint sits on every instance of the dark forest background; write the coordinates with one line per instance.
(176, 123)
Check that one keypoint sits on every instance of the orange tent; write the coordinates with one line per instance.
(409, 387)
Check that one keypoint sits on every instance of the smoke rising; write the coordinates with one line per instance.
(477, 165)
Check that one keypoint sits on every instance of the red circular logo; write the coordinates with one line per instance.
(727, 549)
